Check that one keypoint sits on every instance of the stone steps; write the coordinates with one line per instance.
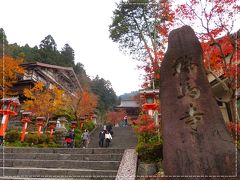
(75, 163)
(46, 156)
(96, 165)
(20, 172)
(62, 150)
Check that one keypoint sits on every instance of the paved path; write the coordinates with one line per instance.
(123, 137)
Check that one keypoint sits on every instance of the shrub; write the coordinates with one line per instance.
(42, 145)
(12, 136)
(53, 145)
(31, 139)
(78, 139)
(150, 152)
(89, 125)
(43, 139)
(149, 138)
(16, 144)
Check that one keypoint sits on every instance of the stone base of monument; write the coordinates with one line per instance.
(146, 169)
(60, 134)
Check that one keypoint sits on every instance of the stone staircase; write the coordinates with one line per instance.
(68, 163)
(60, 163)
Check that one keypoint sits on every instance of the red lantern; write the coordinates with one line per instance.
(8, 108)
(40, 121)
(73, 124)
(51, 125)
(150, 100)
(25, 119)
(82, 118)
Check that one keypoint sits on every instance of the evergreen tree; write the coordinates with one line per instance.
(67, 56)
(48, 51)
(107, 97)
(3, 40)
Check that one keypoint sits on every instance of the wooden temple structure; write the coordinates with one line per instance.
(131, 107)
(62, 77)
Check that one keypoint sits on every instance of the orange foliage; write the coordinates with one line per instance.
(9, 69)
(84, 103)
(145, 124)
(115, 117)
(42, 101)
(215, 20)
(166, 17)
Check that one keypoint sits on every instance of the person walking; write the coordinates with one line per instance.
(109, 129)
(101, 138)
(108, 138)
(69, 139)
(86, 138)
(72, 136)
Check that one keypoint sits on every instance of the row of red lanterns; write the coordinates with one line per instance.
(9, 108)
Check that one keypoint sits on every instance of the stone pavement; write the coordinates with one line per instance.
(123, 137)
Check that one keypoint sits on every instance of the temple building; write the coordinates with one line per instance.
(131, 107)
(62, 77)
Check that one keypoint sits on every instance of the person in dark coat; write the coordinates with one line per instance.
(101, 138)
(109, 129)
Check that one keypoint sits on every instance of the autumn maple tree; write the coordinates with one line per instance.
(115, 117)
(215, 25)
(141, 28)
(9, 71)
(82, 103)
(42, 101)
(145, 127)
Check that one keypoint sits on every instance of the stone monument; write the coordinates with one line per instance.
(196, 141)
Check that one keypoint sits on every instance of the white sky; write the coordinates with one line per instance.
(83, 24)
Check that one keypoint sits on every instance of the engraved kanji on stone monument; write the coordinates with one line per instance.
(190, 114)
(184, 68)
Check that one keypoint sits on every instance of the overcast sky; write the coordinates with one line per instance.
(83, 24)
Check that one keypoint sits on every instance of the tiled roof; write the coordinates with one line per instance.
(129, 103)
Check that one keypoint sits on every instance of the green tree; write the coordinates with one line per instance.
(82, 75)
(132, 27)
(67, 56)
(48, 50)
(140, 27)
(106, 96)
(3, 40)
